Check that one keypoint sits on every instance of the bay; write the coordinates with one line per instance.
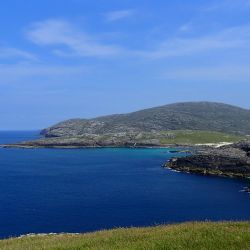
(82, 190)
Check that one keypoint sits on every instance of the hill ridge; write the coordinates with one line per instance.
(213, 116)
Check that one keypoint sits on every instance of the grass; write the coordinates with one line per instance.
(202, 235)
(198, 137)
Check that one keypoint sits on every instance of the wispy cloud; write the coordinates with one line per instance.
(79, 43)
(230, 38)
(25, 70)
(186, 27)
(7, 52)
(65, 40)
(237, 72)
(117, 15)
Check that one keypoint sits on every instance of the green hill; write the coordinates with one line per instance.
(204, 116)
(212, 236)
(198, 137)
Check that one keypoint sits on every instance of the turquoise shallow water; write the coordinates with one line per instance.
(79, 190)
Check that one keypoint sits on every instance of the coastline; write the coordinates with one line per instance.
(225, 159)
(94, 147)
(28, 145)
(228, 161)
(205, 172)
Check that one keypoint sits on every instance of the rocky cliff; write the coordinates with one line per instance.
(231, 161)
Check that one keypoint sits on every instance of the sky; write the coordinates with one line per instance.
(62, 59)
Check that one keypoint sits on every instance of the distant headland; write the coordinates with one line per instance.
(208, 127)
(175, 124)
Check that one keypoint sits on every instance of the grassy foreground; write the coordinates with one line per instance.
(207, 235)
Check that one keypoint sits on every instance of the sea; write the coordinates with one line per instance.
(84, 190)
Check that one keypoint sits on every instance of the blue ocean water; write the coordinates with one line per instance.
(80, 190)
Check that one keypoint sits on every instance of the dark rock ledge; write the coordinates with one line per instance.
(229, 161)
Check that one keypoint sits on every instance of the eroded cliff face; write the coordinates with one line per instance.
(232, 161)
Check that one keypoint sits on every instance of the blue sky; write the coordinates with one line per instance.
(63, 59)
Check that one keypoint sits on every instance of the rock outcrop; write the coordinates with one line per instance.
(231, 161)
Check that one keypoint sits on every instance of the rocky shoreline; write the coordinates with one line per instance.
(83, 143)
(220, 160)
(229, 161)
(134, 140)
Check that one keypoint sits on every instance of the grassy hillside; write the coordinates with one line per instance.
(186, 236)
(199, 137)
(142, 139)
(179, 116)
